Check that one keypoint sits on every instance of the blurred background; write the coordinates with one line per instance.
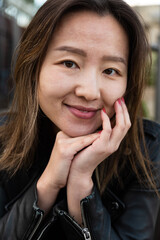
(15, 15)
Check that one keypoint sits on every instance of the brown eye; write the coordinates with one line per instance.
(110, 71)
(69, 64)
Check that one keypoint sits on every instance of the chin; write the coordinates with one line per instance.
(79, 132)
(76, 133)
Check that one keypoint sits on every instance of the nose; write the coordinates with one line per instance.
(88, 87)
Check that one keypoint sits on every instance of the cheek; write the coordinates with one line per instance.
(110, 95)
(54, 84)
(49, 89)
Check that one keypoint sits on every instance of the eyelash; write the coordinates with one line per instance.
(111, 69)
(70, 62)
(73, 63)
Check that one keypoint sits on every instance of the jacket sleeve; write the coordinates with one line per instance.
(137, 221)
(23, 217)
(131, 217)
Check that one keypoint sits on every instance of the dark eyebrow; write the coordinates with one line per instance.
(84, 54)
(114, 59)
(72, 50)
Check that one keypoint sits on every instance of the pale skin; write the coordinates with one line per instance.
(79, 148)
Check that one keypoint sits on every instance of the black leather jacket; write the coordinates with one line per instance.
(129, 213)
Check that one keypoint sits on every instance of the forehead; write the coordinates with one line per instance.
(88, 20)
(90, 30)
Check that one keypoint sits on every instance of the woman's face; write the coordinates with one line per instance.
(85, 69)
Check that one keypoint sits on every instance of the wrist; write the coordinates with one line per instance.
(45, 183)
(80, 178)
(80, 186)
(46, 194)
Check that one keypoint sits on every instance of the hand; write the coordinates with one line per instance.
(108, 142)
(87, 160)
(56, 173)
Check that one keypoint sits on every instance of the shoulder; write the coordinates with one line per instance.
(152, 139)
(151, 129)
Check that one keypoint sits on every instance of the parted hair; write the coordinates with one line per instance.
(19, 134)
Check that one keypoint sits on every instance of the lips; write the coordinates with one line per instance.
(82, 112)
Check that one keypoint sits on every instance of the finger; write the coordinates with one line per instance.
(79, 143)
(120, 129)
(106, 125)
(68, 146)
(62, 135)
(106, 129)
(126, 114)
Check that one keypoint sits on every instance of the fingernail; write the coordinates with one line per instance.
(123, 99)
(104, 110)
(119, 101)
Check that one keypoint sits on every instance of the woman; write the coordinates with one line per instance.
(77, 161)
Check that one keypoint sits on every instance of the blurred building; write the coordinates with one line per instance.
(10, 34)
(14, 17)
(21, 10)
(151, 16)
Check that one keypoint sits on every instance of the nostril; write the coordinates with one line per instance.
(89, 93)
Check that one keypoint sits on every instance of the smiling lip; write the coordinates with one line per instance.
(82, 112)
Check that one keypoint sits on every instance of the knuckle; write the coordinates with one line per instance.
(61, 150)
(116, 147)
(113, 148)
(129, 125)
(109, 131)
(121, 126)
(109, 151)
(59, 134)
(102, 150)
(60, 141)
(59, 137)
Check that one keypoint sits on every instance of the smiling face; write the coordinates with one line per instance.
(85, 69)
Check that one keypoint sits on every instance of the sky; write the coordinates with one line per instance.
(130, 2)
(143, 2)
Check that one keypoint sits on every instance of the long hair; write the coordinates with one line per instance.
(19, 134)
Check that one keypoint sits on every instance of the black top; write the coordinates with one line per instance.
(129, 213)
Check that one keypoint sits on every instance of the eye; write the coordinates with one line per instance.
(110, 71)
(69, 64)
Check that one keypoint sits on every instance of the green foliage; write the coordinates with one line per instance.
(153, 75)
(145, 110)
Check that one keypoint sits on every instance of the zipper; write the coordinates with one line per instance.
(84, 231)
(83, 217)
(86, 234)
(61, 212)
(45, 228)
(39, 215)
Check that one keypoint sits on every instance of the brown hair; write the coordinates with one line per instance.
(18, 135)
